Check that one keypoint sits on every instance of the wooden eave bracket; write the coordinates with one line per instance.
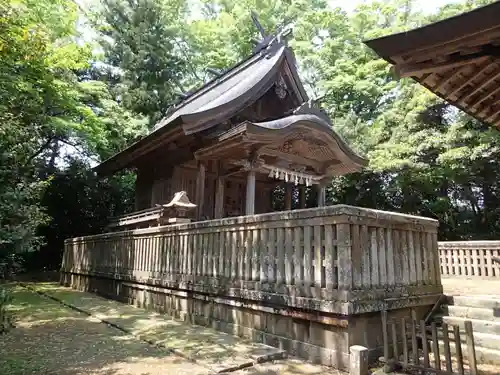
(408, 69)
(404, 70)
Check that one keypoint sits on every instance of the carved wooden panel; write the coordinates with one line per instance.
(142, 190)
(208, 208)
(184, 178)
(262, 198)
(308, 147)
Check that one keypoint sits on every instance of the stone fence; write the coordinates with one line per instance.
(305, 280)
(469, 259)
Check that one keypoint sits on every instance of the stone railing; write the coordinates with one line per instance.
(337, 259)
(470, 258)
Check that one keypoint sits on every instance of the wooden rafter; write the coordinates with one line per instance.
(412, 69)
(293, 158)
(426, 76)
(493, 116)
(484, 83)
(449, 77)
(231, 171)
(487, 107)
(484, 97)
(453, 46)
(473, 76)
(461, 54)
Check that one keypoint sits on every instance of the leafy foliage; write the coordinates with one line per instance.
(66, 104)
(49, 106)
(143, 51)
(6, 319)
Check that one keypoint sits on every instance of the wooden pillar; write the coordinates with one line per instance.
(321, 195)
(219, 198)
(250, 198)
(302, 196)
(200, 191)
(271, 199)
(288, 196)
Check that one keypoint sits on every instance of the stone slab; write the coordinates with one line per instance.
(485, 302)
(483, 326)
(291, 366)
(483, 355)
(457, 286)
(218, 351)
(474, 313)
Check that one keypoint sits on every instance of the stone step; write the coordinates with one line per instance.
(482, 326)
(485, 302)
(478, 313)
(483, 355)
(484, 340)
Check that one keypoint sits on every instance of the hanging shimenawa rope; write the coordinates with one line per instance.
(299, 178)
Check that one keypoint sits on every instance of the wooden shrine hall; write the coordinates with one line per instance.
(309, 281)
(229, 144)
(456, 58)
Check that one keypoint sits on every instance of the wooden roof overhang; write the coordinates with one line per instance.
(216, 102)
(149, 143)
(457, 59)
(302, 142)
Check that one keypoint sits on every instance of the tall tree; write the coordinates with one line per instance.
(48, 108)
(36, 106)
(144, 51)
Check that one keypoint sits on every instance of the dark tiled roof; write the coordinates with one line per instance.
(216, 101)
(230, 92)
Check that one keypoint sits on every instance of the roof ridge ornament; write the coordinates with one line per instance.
(269, 40)
(311, 107)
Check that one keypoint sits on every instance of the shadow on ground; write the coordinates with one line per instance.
(51, 339)
(212, 349)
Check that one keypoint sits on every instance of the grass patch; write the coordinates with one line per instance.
(6, 317)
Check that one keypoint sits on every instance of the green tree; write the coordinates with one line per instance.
(144, 52)
(34, 108)
(50, 105)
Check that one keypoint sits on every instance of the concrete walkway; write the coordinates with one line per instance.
(212, 349)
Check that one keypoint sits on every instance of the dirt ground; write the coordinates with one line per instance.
(51, 339)
(467, 287)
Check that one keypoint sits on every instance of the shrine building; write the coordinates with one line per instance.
(230, 143)
(207, 243)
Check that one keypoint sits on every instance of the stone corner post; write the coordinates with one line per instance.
(358, 360)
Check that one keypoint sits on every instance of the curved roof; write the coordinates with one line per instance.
(216, 101)
(316, 129)
(230, 93)
(455, 58)
(310, 138)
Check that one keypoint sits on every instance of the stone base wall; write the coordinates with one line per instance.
(315, 336)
